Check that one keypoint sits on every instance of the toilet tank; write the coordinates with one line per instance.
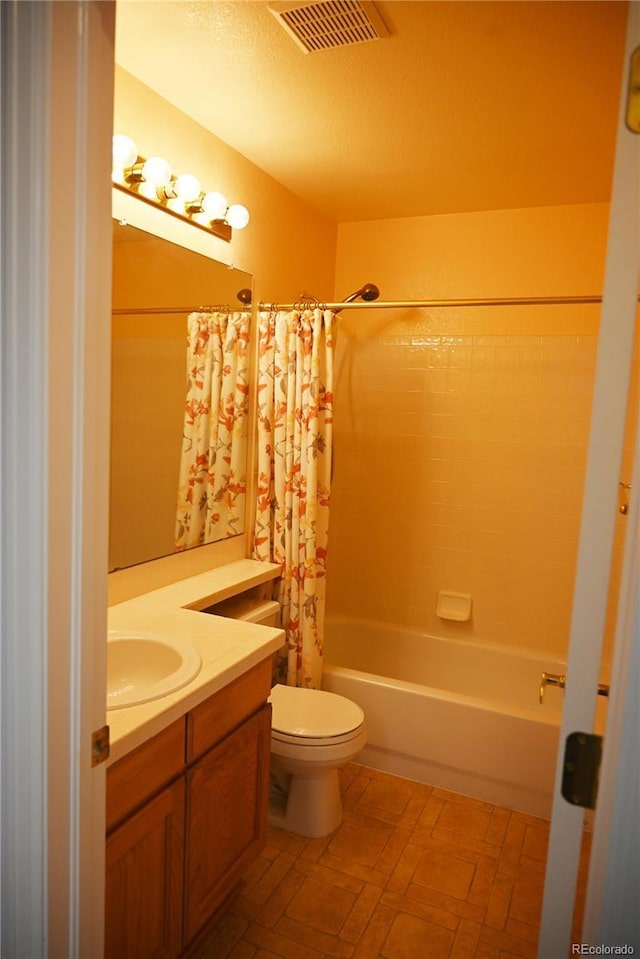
(264, 612)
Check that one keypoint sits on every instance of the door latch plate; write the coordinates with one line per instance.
(100, 746)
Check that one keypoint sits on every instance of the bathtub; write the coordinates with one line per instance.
(458, 714)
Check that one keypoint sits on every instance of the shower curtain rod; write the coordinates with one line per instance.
(148, 310)
(433, 304)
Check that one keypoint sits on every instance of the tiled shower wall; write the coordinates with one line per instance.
(460, 466)
(461, 432)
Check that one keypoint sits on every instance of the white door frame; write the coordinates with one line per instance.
(611, 909)
(613, 369)
(57, 101)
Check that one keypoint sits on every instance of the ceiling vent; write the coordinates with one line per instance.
(329, 23)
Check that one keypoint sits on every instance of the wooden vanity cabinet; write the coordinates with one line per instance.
(226, 817)
(145, 880)
(145, 849)
(186, 815)
(227, 791)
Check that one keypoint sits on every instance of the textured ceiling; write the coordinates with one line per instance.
(469, 105)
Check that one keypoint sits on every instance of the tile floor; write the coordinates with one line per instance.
(413, 872)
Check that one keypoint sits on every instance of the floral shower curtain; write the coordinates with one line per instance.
(212, 483)
(295, 413)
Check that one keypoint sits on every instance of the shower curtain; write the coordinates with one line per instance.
(212, 483)
(295, 405)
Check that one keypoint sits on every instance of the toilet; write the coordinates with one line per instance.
(313, 734)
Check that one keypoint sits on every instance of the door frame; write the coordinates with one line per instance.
(57, 103)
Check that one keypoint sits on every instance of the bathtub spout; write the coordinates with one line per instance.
(550, 679)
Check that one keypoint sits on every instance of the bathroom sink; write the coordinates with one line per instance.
(144, 666)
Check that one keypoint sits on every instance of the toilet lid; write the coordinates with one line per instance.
(312, 713)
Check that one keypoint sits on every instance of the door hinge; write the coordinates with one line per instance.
(582, 754)
(632, 118)
(100, 746)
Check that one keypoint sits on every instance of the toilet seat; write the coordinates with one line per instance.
(313, 717)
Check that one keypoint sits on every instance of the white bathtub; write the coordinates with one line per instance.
(457, 714)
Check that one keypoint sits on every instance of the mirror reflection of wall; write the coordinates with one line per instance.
(155, 285)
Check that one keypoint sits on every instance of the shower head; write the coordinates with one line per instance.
(244, 296)
(367, 292)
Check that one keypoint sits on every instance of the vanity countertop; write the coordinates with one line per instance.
(228, 647)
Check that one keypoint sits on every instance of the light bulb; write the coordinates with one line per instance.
(125, 152)
(187, 187)
(156, 171)
(237, 216)
(214, 205)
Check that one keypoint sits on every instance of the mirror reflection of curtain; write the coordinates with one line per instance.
(295, 413)
(212, 483)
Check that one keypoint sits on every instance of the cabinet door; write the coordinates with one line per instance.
(227, 793)
(144, 881)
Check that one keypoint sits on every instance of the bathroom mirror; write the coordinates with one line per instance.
(156, 285)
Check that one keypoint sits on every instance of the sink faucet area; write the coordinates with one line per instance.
(143, 666)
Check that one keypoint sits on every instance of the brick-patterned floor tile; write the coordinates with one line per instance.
(280, 841)
(514, 839)
(354, 869)
(393, 849)
(466, 941)
(419, 799)
(485, 950)
(477, 846)
(439, 900)
(412, 872)
(314, 849)
(277, 903)
(499, 902)
(522, 930)
(376, 932)
(464, 819)
(430, 813)
(361, 913)
(279, 945)
(497, 829)
(305, 935)
(521, 948)
(422, 908)
(321, 905)
(335, 877)
(406, 866)
(482, 884)
(260, 891)
(526, 902)
(534, 847)
(224, 937)
(391, 796)
(410, 937)
(438, 870)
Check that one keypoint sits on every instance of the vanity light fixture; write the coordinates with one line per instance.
(151, 180)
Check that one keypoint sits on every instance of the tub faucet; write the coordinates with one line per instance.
(550, 679)
(555, 679)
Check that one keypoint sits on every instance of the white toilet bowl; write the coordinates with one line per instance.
(313, 734)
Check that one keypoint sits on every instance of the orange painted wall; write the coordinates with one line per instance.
(461, 434)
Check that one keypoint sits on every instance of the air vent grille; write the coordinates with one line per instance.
(329, 23)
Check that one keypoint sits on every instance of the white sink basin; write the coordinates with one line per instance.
(144, 666)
